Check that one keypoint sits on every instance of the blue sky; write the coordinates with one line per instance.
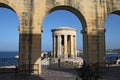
(9, 35)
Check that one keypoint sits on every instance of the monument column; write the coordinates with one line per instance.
(58, 45)
(65, 46)
(54, 46)
(72, 53)
(75, 55)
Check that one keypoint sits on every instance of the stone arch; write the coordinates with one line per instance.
(116, 12)
(113, 11)
(7, 4)
(79, 15)
(81, 18)
(71, 9)
(14, 8)
(95, 12)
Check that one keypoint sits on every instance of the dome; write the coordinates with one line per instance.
(64, 28)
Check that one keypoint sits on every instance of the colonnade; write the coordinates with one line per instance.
(64, 42)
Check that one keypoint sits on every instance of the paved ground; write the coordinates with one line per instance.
(112, 74)
(59, 74)
(12, 76)
(46, 75)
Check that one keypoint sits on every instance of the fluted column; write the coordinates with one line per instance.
(65, 46)
(75, 54)
(72, 53)
(58, 46)
(54, 47)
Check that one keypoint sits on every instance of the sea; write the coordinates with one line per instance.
(8, 58)
(112, 57)
(8, 54)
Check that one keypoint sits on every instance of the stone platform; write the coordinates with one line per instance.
(112, 74)
(59, 75)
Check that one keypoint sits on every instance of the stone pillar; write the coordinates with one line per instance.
(65, 47)
(29, 52)
(54, 46)
(35, 52)
(58, 46)
(101, 46)
(72, 53)
(75, 55)
(85, 46)
(23, 49)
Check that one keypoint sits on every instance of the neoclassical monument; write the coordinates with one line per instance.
(91, 13)
(64, 42)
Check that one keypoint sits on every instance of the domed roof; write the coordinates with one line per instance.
(64, 28)
(64, 31)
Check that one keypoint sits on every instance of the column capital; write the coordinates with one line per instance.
(65, 35)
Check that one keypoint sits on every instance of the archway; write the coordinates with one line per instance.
(80, 24)
(61, 18)
(9, 42)
(67, 17)
(112, 37)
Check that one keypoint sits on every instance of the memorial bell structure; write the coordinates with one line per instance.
(64, 42)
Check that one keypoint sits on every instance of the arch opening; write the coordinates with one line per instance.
(61, 18)
(79, 24)
(72, 10)
(112, 37)
(9, 41)
(6, 6)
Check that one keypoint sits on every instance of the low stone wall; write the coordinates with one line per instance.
(62, 63)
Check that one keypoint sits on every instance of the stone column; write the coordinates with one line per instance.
(75, 55)
(23, 49)
(72, 53)
(54, 46)
(29, 52)
(58, 45)
(85, 46)
(65, 47)
(35, 52)
(101, 46)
